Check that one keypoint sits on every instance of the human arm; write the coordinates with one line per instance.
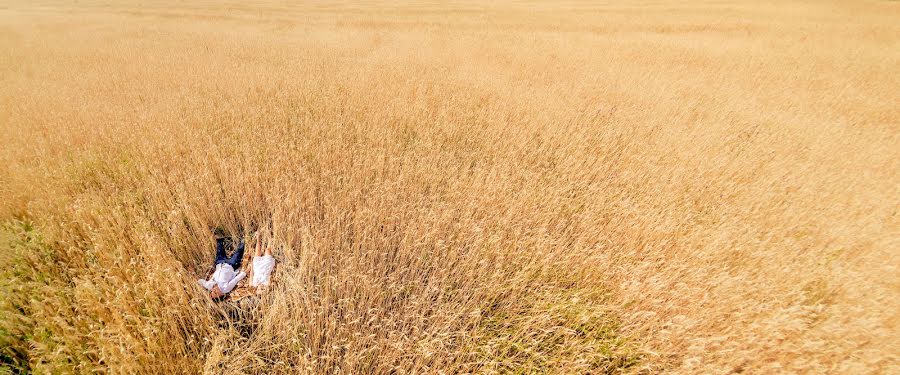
(206, 284)
(233, 282)
(250, 272)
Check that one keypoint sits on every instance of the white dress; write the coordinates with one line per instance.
(262, 270)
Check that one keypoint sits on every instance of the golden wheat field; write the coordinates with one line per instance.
(568, 187)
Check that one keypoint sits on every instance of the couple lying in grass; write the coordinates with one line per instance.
(226, 276)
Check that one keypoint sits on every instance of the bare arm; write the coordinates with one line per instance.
(250, 272)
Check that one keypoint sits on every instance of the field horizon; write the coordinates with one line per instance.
(516, 187)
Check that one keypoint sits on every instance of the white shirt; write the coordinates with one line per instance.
(262, 270)
(224, 277)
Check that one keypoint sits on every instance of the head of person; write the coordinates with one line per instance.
(216, 294)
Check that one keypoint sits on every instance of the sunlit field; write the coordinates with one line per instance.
(530, 187)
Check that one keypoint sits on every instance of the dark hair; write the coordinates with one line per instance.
(221, 296)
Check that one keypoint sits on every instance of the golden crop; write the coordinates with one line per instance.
(528, 187)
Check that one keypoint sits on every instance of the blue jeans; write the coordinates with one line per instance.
(222, 257)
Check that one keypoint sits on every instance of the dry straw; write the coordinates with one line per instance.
(530, 188)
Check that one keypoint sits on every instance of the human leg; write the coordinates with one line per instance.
(221, 256)
(258, 251)
(238, 256)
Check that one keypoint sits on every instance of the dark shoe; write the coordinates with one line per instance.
(219, 233)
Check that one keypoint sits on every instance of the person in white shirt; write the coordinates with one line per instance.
(261, 268)
(225, 277)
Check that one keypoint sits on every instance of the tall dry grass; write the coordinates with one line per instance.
(527, 187)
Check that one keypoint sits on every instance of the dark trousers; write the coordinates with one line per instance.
(222, 257)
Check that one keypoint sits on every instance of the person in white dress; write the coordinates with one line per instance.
(261, 268)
